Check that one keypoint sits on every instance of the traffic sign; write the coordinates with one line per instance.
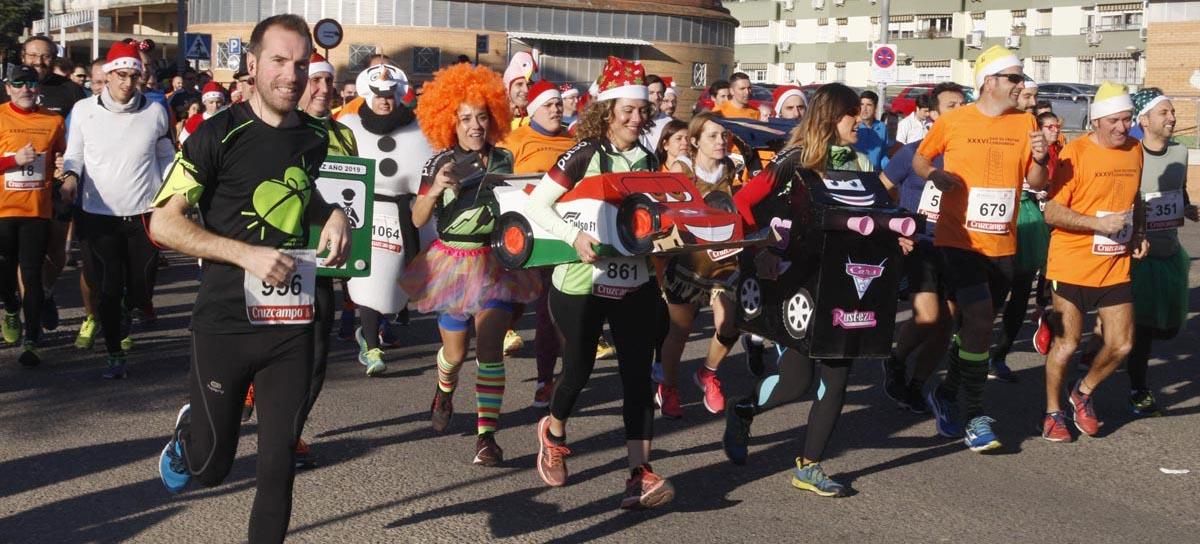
(235, 46)
(235, 62)
(883, 63)
(197, 46)
(327, 33)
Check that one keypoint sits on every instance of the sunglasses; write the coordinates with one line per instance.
(19, 84)
(1012, 78)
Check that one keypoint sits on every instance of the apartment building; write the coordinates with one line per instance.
(816, 41)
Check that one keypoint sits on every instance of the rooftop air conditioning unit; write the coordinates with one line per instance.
(783, 47)
(839, 2)
(975, 39)
(789, 5)
(1094, 37)
(818, 4)
(1012, 42)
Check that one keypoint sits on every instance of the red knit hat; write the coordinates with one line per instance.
(784, 92)
(317, 64)
(622, 79)
(212, 91)
(123, 55)
(540, 93)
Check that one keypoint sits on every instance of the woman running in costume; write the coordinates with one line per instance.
(464, 112)
(620, 290)
(823, 141)
(691, 280)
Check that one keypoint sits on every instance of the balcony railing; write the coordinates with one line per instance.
(1110, 28)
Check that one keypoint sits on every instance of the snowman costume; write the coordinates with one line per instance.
(400, 150)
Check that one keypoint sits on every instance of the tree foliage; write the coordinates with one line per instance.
(15, 16)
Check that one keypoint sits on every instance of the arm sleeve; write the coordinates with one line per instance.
(193, 168)
(73, 158)
(934, 143)
(541, 211)
(8, 162)
(753, 192)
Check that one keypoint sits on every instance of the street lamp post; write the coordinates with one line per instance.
(884, 9)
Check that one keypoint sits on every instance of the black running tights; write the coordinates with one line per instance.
(796, 373)
(279, 362)
(23, 243)
(123, 263)
(581, 319)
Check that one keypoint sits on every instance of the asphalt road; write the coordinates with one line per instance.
(78, 457)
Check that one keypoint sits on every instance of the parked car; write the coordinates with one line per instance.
(1071, 91)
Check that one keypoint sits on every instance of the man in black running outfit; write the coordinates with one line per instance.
(251, 171)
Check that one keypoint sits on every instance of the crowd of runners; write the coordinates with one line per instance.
(138, 161)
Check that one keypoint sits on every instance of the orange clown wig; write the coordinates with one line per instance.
(437, 109)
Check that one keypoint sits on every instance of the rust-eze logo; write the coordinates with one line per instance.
(853, 319)
(863, 274)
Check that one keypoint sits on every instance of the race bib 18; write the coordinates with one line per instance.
(30, 177)
(287, 304)
(1113, 245)
(616, 277)
(1164, 211)
(991, 210)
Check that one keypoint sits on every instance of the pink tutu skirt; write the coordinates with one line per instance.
(459, 282)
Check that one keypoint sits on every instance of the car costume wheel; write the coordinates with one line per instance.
(638, 221)
(750, 297)
(512, 241)
(797, 313)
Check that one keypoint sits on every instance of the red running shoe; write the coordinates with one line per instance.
(707, 381)
(1054, 427)
(551, 462)
(645, 489)
(1085, 415)
(1042, 336)
(667, 398)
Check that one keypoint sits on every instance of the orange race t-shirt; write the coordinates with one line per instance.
(1094, 180)
(729, 110)
(534, 152)
(26, 191)
(992, 155)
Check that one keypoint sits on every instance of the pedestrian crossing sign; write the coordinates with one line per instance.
(198, 47)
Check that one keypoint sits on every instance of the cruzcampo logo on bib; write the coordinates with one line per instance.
(281, 203)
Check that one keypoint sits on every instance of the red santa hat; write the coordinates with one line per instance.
(317, 64)
(669, 86)
(566, 90)
(212, 91)
(123, 56)
(522, 66)
(622, 79)
(541, 92)
(784, 92)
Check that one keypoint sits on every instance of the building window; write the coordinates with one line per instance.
(699, 75)
(840, 69)
(426, 60)
(359, 55)
(758, 76)
(822, 75)
(933, 27)
(1041, 70)
(1085, 71)
(1118, 70)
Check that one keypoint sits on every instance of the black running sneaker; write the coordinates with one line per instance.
(736, 440)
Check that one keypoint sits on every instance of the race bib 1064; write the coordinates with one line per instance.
(1164, 211)
(991, 210)
(616, 277)
(30, 177)
(287, 304)
(1103, 244)
(385, 234)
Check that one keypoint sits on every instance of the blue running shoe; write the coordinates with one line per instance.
(979, 436)
(656, 372)
(811, 477)
(172, 466)
(945, 414)
(739, 415)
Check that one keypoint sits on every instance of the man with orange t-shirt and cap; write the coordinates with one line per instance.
(29, 139)
(1098, 222)
(536, 147)
(989, 148)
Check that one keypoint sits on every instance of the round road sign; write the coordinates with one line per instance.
(327, 33)
(884, 57)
